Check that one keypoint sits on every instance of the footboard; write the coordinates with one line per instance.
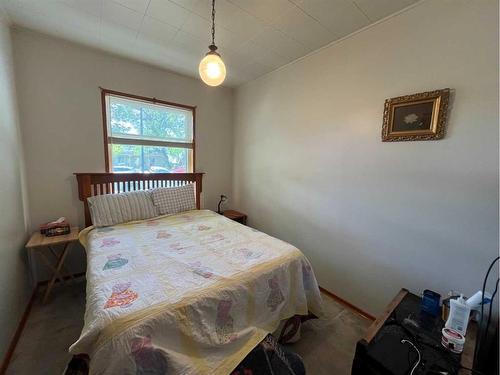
(91, 184)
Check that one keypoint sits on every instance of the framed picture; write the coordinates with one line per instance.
(417, 117)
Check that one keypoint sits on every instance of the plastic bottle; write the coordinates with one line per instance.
(459, 315)
(475, 302)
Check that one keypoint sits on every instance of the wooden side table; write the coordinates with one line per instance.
(40, 243)
(381, 351)
(240, 217)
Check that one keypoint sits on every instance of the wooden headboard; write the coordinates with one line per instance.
(91, 184)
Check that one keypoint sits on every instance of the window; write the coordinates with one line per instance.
(144, 135)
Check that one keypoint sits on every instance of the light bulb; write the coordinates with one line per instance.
(212, 69)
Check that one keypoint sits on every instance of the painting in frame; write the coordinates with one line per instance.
(417, 117)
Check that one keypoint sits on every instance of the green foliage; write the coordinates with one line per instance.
(150, 122)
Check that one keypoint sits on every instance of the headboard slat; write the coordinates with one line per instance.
(90, 184)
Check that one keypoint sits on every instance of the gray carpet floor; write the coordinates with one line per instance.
(327, 344)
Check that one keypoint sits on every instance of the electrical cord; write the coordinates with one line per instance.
(428, 341)
(404, 341)
(479, 338)
(213, 22)
(432, 343)
(489, 313)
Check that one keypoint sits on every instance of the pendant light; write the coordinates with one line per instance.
(212, 69)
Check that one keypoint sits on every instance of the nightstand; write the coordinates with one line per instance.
(40, 244)
(236, 216)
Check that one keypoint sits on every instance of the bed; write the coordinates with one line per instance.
(189, 293)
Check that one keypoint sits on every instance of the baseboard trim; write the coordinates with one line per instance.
(17, 333)
(347, 304)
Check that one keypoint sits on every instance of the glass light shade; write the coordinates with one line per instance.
(212, 69)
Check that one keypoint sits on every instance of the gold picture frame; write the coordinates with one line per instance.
(417, 117)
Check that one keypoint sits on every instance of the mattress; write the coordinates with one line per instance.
(191, 293)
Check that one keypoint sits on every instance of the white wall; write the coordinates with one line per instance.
(60, 113)
(14, 286)
(373, 217)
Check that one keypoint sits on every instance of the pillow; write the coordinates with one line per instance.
(173, 200)
(112, 209)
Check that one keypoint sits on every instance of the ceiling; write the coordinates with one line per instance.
(254, 36)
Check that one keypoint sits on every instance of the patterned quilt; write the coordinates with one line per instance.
(191, 293)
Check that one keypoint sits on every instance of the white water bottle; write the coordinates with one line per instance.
(459, 315)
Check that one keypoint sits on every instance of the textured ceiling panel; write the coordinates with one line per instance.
(253, 36)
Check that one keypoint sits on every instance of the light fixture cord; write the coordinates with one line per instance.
(213, 22)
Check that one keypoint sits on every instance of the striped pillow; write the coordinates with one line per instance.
(112, 209)
(173, 200)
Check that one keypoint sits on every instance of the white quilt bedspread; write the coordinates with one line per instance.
(191, 293)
